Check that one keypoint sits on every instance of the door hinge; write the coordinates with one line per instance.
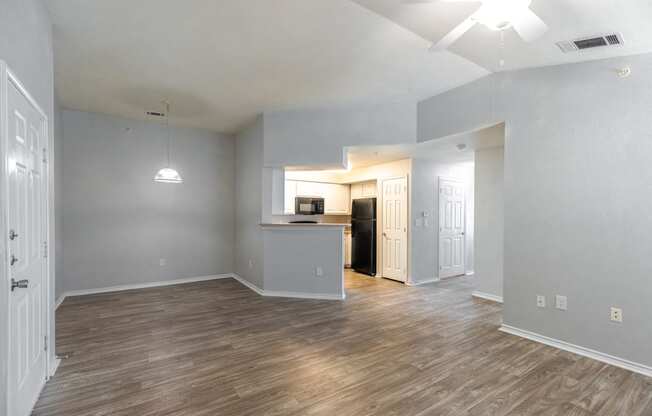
(45, 249)
(45, 155)
(46, 343)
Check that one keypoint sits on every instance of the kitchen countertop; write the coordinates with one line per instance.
(295, 225)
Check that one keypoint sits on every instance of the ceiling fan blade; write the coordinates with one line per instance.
(453, 35)
(439, 1)
(529, 26)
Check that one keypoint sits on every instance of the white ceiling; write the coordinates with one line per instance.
(567, 20)
(221, 62)
(442, 150)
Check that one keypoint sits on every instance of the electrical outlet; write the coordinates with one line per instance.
(251, 264)
(561, 302)
(162, 262)
(616, 314)
(541, 301)
(319, 272)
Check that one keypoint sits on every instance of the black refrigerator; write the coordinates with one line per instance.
(363, 236)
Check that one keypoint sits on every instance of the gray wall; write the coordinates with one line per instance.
(293, 254)
(58, 200)
(318, 137)
(424, 246)
(489, 221)
(26, 46)
(118, 222)
(577, 195)
(249, 203)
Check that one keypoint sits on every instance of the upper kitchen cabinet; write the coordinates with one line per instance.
(290, 195)
(336, 199)
(336, 196)
(363, 190)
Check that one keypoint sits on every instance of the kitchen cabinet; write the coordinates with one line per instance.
(336, 196)
(363, 190)
(290, 194)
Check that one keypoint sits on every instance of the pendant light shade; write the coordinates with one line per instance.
(167, 174)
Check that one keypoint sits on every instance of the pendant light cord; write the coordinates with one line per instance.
(167, 127)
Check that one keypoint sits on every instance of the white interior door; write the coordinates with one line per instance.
(394, 226)
(451, 227)
(26, 210)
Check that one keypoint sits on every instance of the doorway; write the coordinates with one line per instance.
(25, 192)
(452, 226)
(395, 228)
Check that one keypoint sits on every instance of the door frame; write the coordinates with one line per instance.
(440, 179)
(380, 197)
(7, 76)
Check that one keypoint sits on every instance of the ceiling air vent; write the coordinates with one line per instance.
(613, 39)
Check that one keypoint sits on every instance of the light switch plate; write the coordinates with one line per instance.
(561, 302)
(541, 301)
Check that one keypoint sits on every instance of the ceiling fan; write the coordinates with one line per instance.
(496, 15)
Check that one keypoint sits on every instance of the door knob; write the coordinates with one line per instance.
(21, 284)
(12, 234)
(13, 260)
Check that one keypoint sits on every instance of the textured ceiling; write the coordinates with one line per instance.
(222, 62)
(567, 20)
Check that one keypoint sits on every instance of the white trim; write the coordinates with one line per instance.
(284, 294)
(487, 296)
(59, 301)
(471, 273)
(303, 295)
(143, 285)
(248, 284)
(423, 282)
(55, 366)
(586, 352)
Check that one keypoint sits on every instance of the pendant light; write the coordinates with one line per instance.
(167, 174)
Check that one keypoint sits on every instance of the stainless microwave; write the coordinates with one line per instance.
(308, 206)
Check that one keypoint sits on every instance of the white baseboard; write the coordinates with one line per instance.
(284, 294)
(471, 273)
(59, 301)
(423, 282)
(487, 296)
(261, 292)
(248, 284)
(586, 352)
(54, 367)
(134, 286)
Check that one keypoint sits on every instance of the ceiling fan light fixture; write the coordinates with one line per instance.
(500, 14)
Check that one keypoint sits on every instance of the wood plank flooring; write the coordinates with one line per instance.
(217, 348)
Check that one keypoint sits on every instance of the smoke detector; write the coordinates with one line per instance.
(611, 39)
